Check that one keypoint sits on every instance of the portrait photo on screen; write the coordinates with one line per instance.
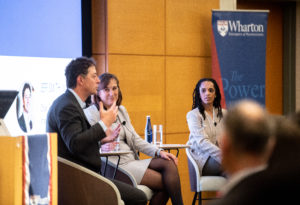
(24, 107)
(28, 112)
(38, 40)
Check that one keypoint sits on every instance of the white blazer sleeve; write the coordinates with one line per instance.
(199, 139)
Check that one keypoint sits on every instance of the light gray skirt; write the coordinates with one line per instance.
(135, 167)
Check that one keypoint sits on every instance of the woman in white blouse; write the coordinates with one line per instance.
(204, 122)
(159, 172)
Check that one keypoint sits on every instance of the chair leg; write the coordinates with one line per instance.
(199, 198)
(195, 198)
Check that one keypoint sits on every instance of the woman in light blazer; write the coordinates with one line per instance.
(204, 122)
(160, 172)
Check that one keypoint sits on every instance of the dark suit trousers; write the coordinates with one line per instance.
(129, 194)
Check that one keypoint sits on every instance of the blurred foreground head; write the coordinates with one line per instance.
(247, 130)
(287, 147)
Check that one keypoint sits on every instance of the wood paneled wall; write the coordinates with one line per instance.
(159, 49)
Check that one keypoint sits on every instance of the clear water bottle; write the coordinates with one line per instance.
(148, 130)
(157, 135)
(160, 135)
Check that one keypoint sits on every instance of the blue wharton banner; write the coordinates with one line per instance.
(238, 54)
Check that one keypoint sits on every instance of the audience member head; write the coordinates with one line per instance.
(287, 147)
(109, 90)
(295, 117)
(246, 136)
(207, 92)
(78, 67)
(82, 78)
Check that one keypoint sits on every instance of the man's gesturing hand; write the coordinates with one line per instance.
(111, 135)
(108, 116)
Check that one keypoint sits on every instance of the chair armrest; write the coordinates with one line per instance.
(194, 172)
(79, 185)
(202, 183)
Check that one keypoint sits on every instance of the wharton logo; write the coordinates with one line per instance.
(222, 27)
(235, 28)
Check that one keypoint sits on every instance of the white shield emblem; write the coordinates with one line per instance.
(222, 27)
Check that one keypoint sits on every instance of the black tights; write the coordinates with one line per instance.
(163, 178)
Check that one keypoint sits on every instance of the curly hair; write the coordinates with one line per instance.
(197, 102)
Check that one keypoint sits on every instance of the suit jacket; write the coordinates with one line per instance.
(203, 136)
(21, 121)
(241, 193)
(78, 141)
(265, 187)
(278, 184)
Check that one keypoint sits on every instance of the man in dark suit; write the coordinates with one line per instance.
(279, 182)
(245, 146)
(77, 140)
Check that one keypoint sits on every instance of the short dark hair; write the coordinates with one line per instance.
(76, 67)
(287, 136)
(295, 117)
(197, 102)
(26, 86)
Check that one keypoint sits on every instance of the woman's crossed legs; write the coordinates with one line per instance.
(162, 177)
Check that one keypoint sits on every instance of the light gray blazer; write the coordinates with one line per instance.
(134, 141)
(203, 136)
(130, 141)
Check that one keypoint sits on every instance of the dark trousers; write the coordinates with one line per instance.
(129, 194)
